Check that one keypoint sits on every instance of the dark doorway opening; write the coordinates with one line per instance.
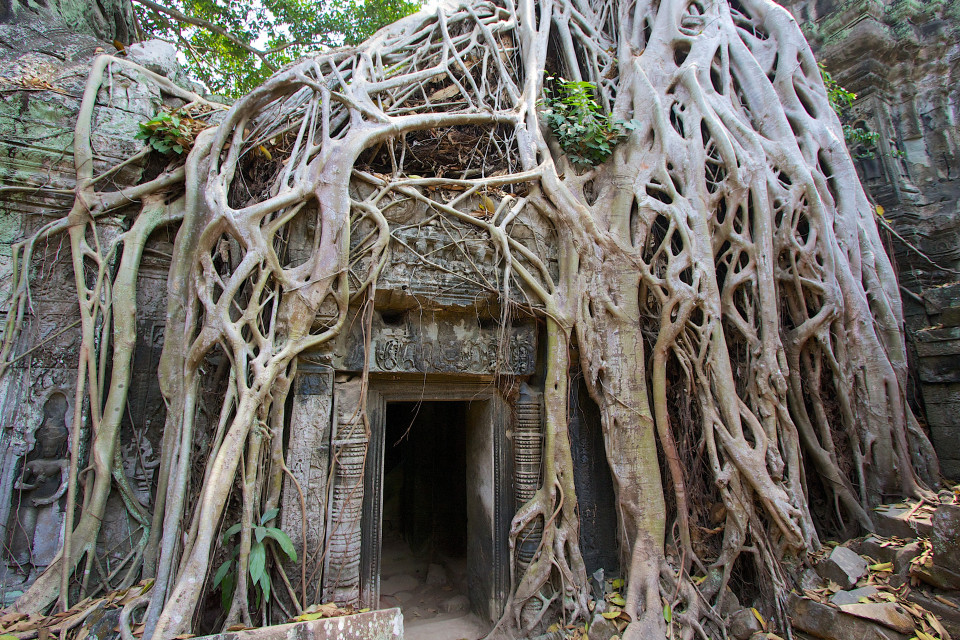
(425, 478)
(426, 532)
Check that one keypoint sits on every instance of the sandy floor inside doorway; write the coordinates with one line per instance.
(431, 592)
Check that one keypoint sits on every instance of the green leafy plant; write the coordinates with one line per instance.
(233, 47)
(262, 535)
(861, 142)
(586, 134)
(171, 131)
(840, 99)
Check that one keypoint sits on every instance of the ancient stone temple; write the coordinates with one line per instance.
(409, 441)
(452, 445)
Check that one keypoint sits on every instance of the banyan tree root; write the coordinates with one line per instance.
(720, 279)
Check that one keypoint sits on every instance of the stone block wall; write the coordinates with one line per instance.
(938, 359)
(46, 50)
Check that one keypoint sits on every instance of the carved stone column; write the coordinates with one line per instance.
(527, 468)
(341, 573)
(308, 457)
(527, 463)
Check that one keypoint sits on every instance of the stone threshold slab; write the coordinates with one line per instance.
(385, 624)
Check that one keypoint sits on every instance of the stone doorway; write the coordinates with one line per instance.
(436, 498)
(423, 567)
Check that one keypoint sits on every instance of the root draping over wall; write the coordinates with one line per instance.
(721, 280)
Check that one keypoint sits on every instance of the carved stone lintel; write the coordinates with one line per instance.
(427, 344)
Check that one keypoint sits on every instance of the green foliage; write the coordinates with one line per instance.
(262, 535)
(586, 134)
(171, 131)
(861, 142)
(281, 31)
(840, 99)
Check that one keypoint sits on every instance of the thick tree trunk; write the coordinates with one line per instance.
(720, 275)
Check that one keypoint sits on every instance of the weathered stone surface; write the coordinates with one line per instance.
(892, 521)
(730, 604)
(308, 461)
(743, 624)
(853, 596)
(831, 623)
(937, 576)
(905, 555)
(386, 624)
(161, 57)
(602, 629)
(105, 19)
(843, 566)
(889, 614)
(418, 342)
(810, 579)
(102, 624)
(900, 555)
(945, 537)
(874, 548)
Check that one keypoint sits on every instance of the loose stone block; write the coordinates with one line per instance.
(889, 614)
(830, 623)
(853, 596)
(744, 624)
(843, 566)
(945, 537)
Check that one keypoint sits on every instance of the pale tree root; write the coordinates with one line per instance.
(722, 254)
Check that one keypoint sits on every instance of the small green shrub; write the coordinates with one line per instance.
(586, 134)
(840, 99)
(171, 131)
(226, 576)
(861, 142)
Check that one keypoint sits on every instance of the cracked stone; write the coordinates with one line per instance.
(830, 623)
(602, 629)
(905, 555)
(843, 566)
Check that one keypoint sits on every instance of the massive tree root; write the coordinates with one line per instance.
(720, 278)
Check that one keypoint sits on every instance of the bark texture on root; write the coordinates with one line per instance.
(720, 278)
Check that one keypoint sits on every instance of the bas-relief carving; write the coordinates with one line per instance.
(445, 344)
(35, 519)
(451, 265)
(140, 465)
